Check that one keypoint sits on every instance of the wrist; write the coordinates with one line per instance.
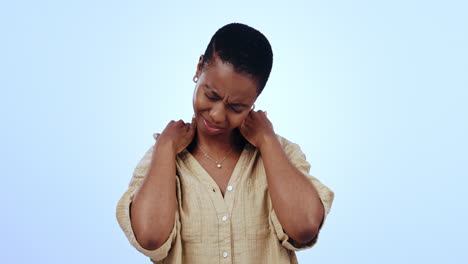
(165, 147)
(267, 140)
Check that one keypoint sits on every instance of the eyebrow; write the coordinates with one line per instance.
(213, 91)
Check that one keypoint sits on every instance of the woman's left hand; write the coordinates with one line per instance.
(256, 128)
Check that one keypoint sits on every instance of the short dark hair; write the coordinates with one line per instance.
(245, 48)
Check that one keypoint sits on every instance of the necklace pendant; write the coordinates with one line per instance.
(218, 165)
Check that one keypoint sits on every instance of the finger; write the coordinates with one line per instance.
(193, 123)
(242, 126)
(262, 112)
(192, 129)
(180, 122)
(187, 127)
(156, 136)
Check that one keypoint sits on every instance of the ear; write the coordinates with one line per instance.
(199, 66)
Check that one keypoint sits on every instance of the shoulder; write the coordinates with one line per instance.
(286, 143)
(148, 154)
(292, 149)
(145, 161)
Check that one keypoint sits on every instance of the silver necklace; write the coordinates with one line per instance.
(218, 164)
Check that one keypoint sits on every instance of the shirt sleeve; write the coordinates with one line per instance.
(123, 212)
(298, 158)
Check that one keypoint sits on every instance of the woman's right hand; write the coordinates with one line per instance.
(177, 135)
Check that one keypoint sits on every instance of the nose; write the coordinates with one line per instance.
(218, 113)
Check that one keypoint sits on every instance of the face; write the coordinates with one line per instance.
(222, 97)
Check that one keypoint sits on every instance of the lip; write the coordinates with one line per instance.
(210, 127)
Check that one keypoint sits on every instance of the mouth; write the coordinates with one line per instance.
(210, 127)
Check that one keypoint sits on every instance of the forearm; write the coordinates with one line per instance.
(153, 207)
(294, 198)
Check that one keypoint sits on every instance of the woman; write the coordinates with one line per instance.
(225, 188)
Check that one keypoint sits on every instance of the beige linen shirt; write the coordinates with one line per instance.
(240, 227)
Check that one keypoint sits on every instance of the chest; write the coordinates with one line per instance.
(240, 214)
(220, 175)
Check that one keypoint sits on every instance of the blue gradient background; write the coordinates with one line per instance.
(375, 93)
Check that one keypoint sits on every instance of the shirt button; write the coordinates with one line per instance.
(225, 254)
(229, 188)
(224, 218)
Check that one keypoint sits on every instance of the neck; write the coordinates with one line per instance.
(219, 145)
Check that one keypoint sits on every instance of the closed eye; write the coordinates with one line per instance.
(211, 98)
(231, 106)
(235, 109)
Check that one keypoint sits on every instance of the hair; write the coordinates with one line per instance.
(245, 48)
